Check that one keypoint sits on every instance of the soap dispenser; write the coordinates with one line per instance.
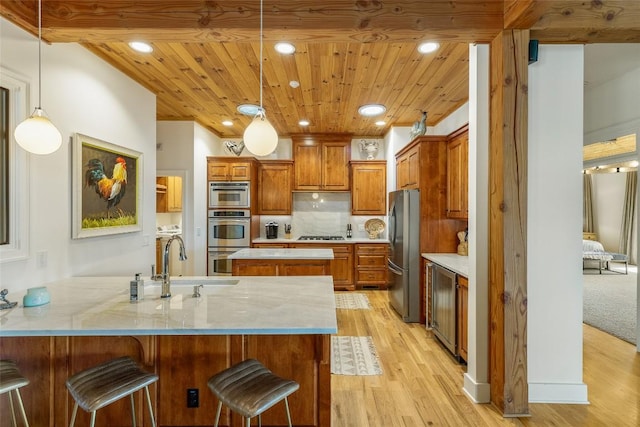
(136, 289)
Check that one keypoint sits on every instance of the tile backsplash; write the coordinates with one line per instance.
(320, 214)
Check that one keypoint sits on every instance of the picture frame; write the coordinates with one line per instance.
(107, 185)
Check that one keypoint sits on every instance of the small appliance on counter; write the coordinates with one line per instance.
(349, 230)
(287, 231)
(271, 230)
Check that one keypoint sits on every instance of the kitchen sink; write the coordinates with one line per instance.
(199, 280)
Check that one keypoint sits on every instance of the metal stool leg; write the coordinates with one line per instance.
(133, 410)
(13, 411)
(218, 414)
(22, 411)
(93, 419)
(286, 404)
(153, 420)
(73, 415)
(247, 422)
(259, 420)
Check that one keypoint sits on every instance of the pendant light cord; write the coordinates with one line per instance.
(39, 54)
(261, 109)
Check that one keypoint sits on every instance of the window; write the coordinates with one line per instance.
(14, 170)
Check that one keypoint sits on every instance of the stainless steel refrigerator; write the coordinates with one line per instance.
(404, 257)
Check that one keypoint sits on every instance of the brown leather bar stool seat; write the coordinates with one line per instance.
(249, 389)
(97, 387)
(12, 380)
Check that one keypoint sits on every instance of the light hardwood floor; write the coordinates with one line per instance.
(421, 383)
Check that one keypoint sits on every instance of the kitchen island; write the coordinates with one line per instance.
(281, 262)
(184, 339)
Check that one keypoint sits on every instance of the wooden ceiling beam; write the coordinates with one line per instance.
(596, 21)
(303, 20)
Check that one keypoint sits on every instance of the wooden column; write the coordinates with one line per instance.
(508, 222)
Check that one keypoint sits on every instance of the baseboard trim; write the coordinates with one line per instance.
(477, 392)
(575, 393)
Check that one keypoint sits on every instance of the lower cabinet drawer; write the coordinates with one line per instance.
(372, 276)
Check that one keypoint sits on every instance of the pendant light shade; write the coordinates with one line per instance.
(260, 137)
(37, 134)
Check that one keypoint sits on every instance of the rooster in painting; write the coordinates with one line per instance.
(109, 189)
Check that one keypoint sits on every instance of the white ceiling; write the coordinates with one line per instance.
(603, 62)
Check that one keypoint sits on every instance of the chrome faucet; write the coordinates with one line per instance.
(166, 279)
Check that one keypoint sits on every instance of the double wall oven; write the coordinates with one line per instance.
(228, 224)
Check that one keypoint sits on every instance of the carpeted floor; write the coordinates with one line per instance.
(610, 302)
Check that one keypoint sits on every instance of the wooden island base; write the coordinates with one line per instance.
(182, 362)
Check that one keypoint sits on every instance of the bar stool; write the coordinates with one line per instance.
(97, 387)
(249, 389)
(11, 380)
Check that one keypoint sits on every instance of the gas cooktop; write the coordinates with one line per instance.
(320, 238)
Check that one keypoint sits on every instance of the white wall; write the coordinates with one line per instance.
(476, 379)
(83, 94)
(554, 235)
(611, 108)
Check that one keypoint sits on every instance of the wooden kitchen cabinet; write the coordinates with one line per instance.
(368, 187)
(457, 175)
(321, 162)
(371, 265)
(462, 308)
(275, 180)
(281, 267)
(408, 169)
(168, 194)
(342, 265)
(228, 169)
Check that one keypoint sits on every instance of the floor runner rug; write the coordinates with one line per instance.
(352, 301)
(354, 356)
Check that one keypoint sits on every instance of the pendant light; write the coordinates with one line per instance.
(260, 137)
(37, 134)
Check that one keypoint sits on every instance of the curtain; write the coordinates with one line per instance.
(628, 214)
(587, 205)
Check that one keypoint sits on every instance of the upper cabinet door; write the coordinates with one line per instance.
(457, 177)
(335, 165)
(307, 157)
(321, 162)
(274, 187)
(369, 187)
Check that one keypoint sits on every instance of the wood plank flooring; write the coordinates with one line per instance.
(421, 383)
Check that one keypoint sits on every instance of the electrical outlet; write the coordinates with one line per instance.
(193, 398)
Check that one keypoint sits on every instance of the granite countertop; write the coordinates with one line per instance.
(454, 262)
(282, 253)
(86, 306)
(332, 242)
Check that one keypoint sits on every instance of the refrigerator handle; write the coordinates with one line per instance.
(394, 269)
(392, 223)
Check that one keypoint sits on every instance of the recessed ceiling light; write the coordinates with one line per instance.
(285, 48)
(428, 47)
(141, 47)
(381, 123)
(227, 123)
(303, 122)
(248, 109)
(370, 110)
(294, 84)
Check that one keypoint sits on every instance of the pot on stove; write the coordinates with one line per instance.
(271, 230)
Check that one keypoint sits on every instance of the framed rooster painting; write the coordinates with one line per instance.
(107, 188)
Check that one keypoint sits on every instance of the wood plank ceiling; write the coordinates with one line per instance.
(206, 54)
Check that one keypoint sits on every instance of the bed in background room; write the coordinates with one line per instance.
(593, 253)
